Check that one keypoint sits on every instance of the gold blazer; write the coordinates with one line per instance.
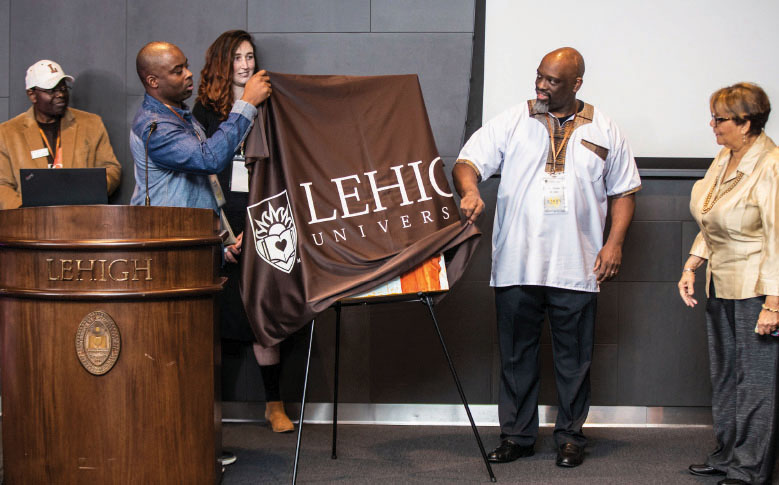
(85, 144)
(739, 234)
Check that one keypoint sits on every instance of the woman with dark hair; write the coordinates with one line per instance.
(735, 206)
(230, 62)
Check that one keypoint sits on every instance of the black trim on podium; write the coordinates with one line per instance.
(427, 300)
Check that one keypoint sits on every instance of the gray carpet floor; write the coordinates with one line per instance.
(410, 454)
(438, 455)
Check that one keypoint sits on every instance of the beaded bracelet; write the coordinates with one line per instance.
(768, 308)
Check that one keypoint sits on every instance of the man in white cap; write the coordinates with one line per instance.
(50, 134)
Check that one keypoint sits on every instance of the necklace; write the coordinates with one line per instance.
(706, 206)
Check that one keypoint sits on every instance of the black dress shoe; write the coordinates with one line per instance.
(732, 481)
(509, 451)
(705, 470)
(570, 455)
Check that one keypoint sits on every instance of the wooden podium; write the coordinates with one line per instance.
(109, 345)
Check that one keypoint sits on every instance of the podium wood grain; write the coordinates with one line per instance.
(153, 417)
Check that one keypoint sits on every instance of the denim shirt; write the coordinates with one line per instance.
(181, 157)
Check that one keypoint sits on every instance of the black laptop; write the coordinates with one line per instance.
(63, 186)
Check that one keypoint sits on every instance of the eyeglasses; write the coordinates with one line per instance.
(718, 119)
(60, 88)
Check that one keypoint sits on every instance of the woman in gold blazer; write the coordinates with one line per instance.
(735, 206)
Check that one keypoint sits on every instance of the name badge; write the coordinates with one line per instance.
(240, 179)
(43, 152)
(554, 193)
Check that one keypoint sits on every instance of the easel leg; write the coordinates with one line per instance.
(427, 300)
(335, 379)
(303, 405)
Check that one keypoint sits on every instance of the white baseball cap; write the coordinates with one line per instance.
(45, 74)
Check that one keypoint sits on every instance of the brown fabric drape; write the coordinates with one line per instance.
(346, 192)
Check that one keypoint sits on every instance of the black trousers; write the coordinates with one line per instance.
(520, 314)
(744, 367)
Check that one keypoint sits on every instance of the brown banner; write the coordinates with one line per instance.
(347, 191)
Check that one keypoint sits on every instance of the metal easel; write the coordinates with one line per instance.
(427, 300)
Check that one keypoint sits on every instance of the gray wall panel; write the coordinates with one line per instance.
(607, 317)
(663, 200)
(354, 377)
(547, 393)
(444, 84)
(94, 55)
(309, 16)
(3, 109)
(407, 363)
(240, 374)
(651, 252)
(422, 15)
(191, 25)
(662, 348)
(603, 379)
(471, 334)
(5, 38)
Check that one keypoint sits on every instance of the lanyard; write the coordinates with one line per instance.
(185, 122)
(56, 156)
(556, 151)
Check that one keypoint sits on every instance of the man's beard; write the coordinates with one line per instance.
(541, 106)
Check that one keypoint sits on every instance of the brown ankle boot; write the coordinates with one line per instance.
(277, 418)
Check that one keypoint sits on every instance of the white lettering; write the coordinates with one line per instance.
(421, 184)
(433, 182)
(362, 231)
(347, 192)
(342, 234)
(321, 239)
(339, 184)
(384, 227)
(376, 190)
(404, 221)
(445, 212)
(311, 210)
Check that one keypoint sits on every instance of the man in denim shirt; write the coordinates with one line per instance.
(180, 156)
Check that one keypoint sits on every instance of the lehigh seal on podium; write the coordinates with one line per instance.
(97, 342)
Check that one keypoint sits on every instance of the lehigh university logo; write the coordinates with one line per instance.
(275, 236)
(97, 342)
